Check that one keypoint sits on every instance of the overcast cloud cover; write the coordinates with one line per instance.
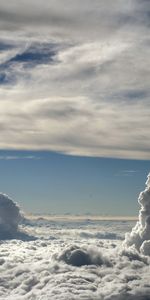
(74, 76)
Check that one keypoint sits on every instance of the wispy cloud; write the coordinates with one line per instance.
(74, 77)
(127, 173)
(14, 157)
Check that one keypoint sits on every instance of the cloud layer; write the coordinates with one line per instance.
(74, 259)
(61, 263)
(74, 77)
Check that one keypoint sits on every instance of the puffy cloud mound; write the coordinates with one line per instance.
(10, 217)
(140, 234)
(78, 257)
(128, 296)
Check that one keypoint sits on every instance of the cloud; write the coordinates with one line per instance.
(127, 173)
(74, 77)
(101, 235)
(140, 234)
(9, 217)
(14, 157)
(80, 257)
(36, 271)
(61, 263)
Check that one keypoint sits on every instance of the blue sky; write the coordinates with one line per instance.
(46, 182)
(74, 80)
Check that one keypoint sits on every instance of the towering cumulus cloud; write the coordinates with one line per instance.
(10, 217)
(140, 234)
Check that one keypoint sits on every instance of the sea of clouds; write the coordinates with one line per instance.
(59, 258)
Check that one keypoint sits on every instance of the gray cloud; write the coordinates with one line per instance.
(78, 257)
(75, 77)
(9, 217)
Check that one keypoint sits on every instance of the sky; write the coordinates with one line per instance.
(53, 183)
(74, 104)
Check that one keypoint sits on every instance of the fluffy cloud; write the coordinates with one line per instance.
(140, 234)
(9, 217)
(62, 262)
(74, 77)
(78, 257)
(90, 269)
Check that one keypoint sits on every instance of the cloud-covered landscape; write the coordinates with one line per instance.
(74, 150)
(74, 77)
(78, 259)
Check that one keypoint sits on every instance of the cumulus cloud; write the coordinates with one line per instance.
(45, 268)
(61, 263)
(78, 257)
(10, 218)
(140, 234)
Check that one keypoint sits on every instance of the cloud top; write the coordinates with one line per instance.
(10, 217)
(78, 257)
(140, 234)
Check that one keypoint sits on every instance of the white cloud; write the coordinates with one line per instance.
(62, 262)
(13, 157)
(140, 234)
(10, 219)
(36, 269)
(127, 173)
